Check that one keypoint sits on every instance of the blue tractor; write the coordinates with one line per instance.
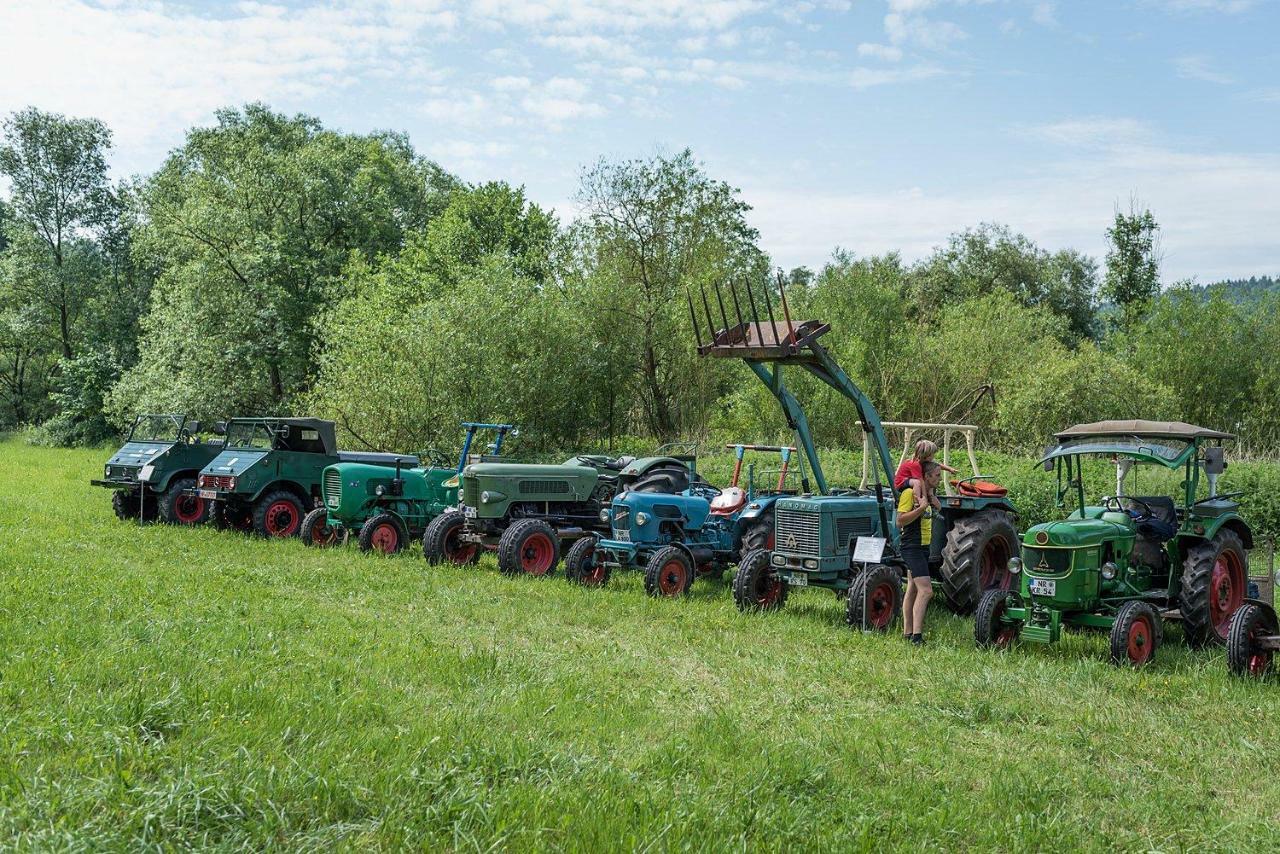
(699, 532)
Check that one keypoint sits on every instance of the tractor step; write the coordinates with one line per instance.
(1171, 614)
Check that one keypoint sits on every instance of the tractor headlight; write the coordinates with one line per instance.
(810, 563)
(1108, 570)
(642, 518)
(1015, 565)
(485, 497)
(379, 490)
(778, 559)
(604, 516)
(106, 471)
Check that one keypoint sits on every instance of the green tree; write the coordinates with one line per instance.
(1133, 262)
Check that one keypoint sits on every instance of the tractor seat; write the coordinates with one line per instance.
(1163, 523)
(979, 489)
(729, 501)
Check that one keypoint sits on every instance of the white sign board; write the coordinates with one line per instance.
(868, 550)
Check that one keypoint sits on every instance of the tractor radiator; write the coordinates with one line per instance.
(798, 532)
(333, 488)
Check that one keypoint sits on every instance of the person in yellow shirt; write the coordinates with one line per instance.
(915, 521)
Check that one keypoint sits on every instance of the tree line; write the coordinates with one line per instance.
(273, 265)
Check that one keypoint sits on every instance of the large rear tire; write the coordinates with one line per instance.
(278, 514)
(756, 586)
(441, 542)
(383, 533)
(1245, 655)
(1215, 578)
(318, 532)
(875, 598)
(177, 507)
(529, 547)
(666, 478)
(975, 558)
(583, 565)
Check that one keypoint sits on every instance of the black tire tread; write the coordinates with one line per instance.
(365, 540)
(575, 561)
(865, 580)
(260, 510)
(962, 553)
(1193, 594)
(438, 529)
(513, 538)
(659, 559)
(1125, 618)
(754, 563)
(1239, 648)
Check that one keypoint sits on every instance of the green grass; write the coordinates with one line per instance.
(169, 688)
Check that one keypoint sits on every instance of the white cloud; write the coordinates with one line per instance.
(510, 83)
(880, 51)
(1045, 14)
(922, 31)
(1198, 68)
(1090, 132)
(1230, 7)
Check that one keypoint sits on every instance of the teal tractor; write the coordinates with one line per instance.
(843, 540)
(151, 475)
(675, 537)
(1154, 551)
(391, 507)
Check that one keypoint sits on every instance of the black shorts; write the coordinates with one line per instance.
(917, 560)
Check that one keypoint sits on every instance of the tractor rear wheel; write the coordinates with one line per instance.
(278, 514)
(231, 517)
(667, 478)
(583, 565)
(125, 504)
(316, 530)
(1215, 577)
(1136, 634)
(179, 508)
(875, 598)
(669, 573)
(1245, 655)
(529, 547)
(756, 586)
(975, 558)
(441, 542)
(990, 631)
(383, 533)
(759, 535)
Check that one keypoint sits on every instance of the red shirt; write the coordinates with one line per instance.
(907, 470)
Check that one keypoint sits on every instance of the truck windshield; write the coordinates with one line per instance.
(156, 428)
(250, 434)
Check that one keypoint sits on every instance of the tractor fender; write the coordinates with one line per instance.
(757, 508)
(1212, 526)
(1269, 608)
(693, 560)
(163, 484)
(287, 485)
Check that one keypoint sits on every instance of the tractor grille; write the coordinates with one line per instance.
(124, 473)
(217, 481)
(333, 488)
(471, 491)
(621, 519)
(798, 532)
(852, 527)
(1047, 561)
(552, 487)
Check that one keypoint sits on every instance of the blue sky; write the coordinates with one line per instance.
(872, 125)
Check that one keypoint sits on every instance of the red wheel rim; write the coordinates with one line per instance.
(995, 565)
(1141, 638)
(673, 578)
(455, 550)
(768, 589)
(880, 605)
(535, 554)
(593, 573)
(188, 509)
(1226, 591)
(1259, 659)
(324, 535)
(385, 539)
(282, 519)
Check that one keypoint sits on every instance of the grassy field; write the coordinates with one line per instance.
(169, 688)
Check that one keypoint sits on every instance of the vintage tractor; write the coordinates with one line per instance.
(976, 532)
(154, 470)
(843, 540)
(1132, 561)
(389, 508)
(268, 474)
(675, 537)
(526, 511)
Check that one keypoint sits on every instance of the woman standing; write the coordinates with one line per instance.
(915, 520)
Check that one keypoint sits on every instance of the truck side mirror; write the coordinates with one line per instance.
(1215, 460)
(1049, 464)
(219, 428)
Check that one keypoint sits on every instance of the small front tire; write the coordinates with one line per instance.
(669, 573)
(1245, 655)
(756, 586)
(529, 547)
(583, 565)
(383, 533)
(318, 532)
(875, 598)
(991, 629)
(1136, 634)
(442, 543)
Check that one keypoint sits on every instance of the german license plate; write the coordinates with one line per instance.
(798, 579)
(1043, 587)
(210, 494)
(622, 535)
(468, 511)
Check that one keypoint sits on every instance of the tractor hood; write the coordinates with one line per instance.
(137, 454)
(1075, 533)
(527, 470)
(235, 461)
(689, 510)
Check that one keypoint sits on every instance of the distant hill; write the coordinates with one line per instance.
(1247, 290)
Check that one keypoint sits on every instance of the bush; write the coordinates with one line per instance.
(82, 387)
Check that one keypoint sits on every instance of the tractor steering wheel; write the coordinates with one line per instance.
(437, 459)
(1143, 515)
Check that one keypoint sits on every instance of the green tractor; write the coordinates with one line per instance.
(268, 475)
(528, 512)
(1130, 562)
(389, 508)
(152, 474)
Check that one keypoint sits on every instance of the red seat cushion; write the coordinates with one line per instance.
(729, 501)
(980, 489)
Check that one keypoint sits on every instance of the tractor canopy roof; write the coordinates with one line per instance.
(298, 434)
(1165, 443)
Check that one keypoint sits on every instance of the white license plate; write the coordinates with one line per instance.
(798, 579)
(210, 494)
(623, 536)
(1043, 587)
(468, 511)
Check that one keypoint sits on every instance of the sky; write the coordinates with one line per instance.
(867, 125)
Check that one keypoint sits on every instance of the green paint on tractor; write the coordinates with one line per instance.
(152, 473)
(1131, 562)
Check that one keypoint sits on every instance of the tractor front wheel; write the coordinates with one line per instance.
(125, 503)
(990, 628)
(1245, 654)
(178, 507)
(759, 535)
(669, 573)
(231, 517)
(529, 547)
(441, 543)
(583, 565)
(1215, 577)
(383, 533)
(1136, 634)
(975, 558)
(875, 598)
(756, 586)
(316, 530)
(278, 514)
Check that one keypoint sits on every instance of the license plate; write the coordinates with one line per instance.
(468, 511)
(622, 536)
(1043, 587)
(210, 494)
(798, 579)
